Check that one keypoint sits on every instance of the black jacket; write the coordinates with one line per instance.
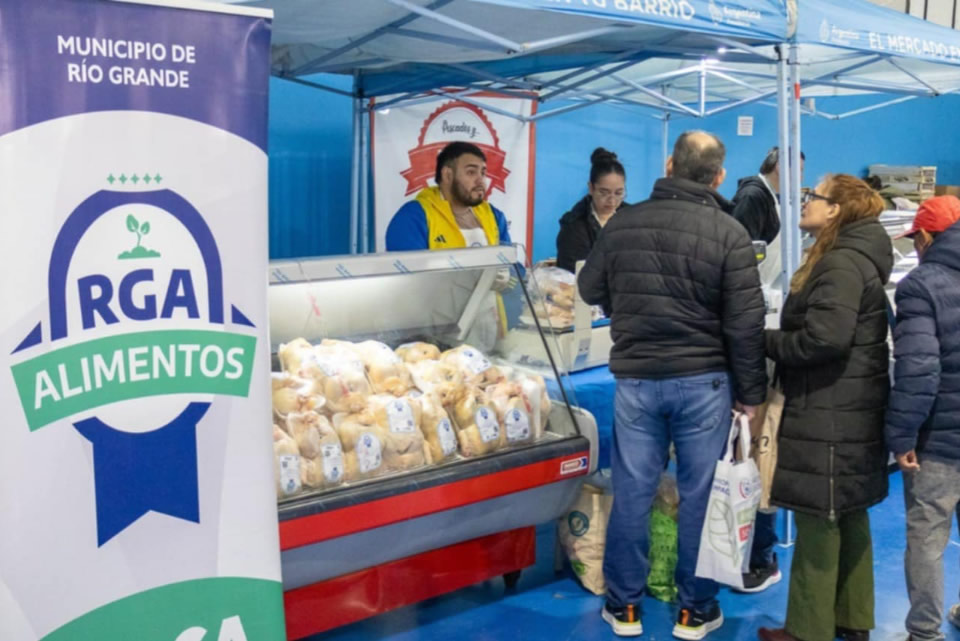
(833, 359)
(924, 411)
(755, 208)
(681, 277)
(579, 229)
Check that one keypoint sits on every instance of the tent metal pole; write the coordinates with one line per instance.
(597, 76)
(916, 77)
(873, 88)
(486, 75)
(864, 110)
(630, 101)
(359, 42)
(665, 143)
(787, 222)
(734, 45)
(656, 95)
(572, 37)
(476, 45)
(365, 179)
(540, 115)
(703, 89)
(317, 85)
(794, 151)
(355, 175)
(481, 105)
(741, 103)
(509, 45)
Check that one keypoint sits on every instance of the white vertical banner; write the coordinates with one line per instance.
(136, 482)
(406, 141)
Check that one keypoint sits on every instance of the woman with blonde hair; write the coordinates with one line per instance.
(832, 360)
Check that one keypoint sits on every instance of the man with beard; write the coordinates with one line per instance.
(453, 214)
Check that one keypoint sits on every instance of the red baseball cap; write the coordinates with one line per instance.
(935, 215)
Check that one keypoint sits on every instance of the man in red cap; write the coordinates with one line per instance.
(923, 416)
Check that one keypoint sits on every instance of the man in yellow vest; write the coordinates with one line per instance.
(453, 214)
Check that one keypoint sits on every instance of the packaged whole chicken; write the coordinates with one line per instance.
(340, 375)
(416, 352)
(386, 371)
(286, 464)
(478, 427)
(533, 390)
(363, 444)
(438, 378)
(321, 464)
(438, 430)
(400, 418)
(512, 412)
(294, 394)
(295, 355)
(476, 368)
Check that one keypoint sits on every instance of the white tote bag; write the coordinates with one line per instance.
(728, 525)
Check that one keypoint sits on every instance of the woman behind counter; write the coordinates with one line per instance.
(580, 226)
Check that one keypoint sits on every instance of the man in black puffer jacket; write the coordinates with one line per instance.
(923, 419)
(680, 276)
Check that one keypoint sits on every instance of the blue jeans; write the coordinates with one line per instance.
(764, 540)
(693, 412)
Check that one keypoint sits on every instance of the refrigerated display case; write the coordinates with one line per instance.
(369, 538)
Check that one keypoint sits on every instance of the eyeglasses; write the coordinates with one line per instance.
(604, 194)
(810, 196)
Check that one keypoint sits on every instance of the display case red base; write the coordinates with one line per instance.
(352, 597)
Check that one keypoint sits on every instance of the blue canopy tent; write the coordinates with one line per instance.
(405, 51)
(669, 58)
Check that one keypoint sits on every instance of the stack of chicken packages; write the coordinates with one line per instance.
(307, 451)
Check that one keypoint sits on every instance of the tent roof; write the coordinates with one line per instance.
(577, 50)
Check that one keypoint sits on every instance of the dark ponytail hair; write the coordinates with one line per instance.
(603, 162)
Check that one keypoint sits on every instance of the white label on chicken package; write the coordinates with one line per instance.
(448, 440)
(329, 366)
(518, 425)
(400, 417)
(368, 453)
(289, 474)
(332, 463)
(487, 424)
(475, 362)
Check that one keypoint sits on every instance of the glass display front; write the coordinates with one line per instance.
(438, 360)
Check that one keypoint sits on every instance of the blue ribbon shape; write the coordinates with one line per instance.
(138, 472)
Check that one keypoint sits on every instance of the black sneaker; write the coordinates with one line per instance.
(848, 634)
(760, 578)
(693, 626)
(625, 620)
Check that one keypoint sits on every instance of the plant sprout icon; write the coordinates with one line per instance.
(141, 230)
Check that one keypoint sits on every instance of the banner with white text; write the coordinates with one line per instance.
(136, 479)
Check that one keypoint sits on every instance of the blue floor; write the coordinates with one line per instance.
(550, 607)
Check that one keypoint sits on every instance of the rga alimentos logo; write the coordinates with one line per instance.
(135, 348)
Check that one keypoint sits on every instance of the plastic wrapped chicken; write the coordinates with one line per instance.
(321, 464)
(438, 431)
(363, 444)
(533, 391)
(286, 464)
(512, 412)
(416, 352)
(400, 419)
(476, 368)
(441, 379)
(478, 427)
(341, 376)
(293, 394)
(385, 369)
